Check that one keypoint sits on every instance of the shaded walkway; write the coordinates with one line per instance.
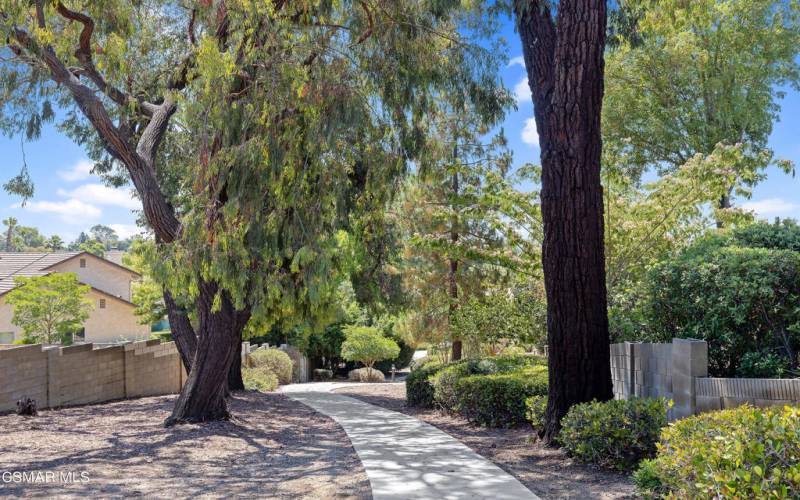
(406, 458)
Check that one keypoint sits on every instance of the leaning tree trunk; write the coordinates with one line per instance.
(235, 382)
(564, 60)
(182, 332)
(203, 396)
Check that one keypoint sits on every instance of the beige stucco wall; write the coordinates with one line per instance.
(113, 324)
(99, 274)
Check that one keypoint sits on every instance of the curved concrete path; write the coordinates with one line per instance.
(406, 458)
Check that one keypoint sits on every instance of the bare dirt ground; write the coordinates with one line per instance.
(274, 448)
(548, 472)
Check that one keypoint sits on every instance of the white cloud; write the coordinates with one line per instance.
(78, 172)
(126, 230)
(100, 194)
(529, 133)
(70, 211)
(521, 90)
(517, 61)
(771, 206)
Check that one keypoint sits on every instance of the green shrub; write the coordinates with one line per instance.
(259, 378)
(368, 345)
(274, 360)
(762, 364)
(740, 300)
(743, 452)
(419, 387)
(444, 382)
(498, 400)
(400, 361)
(164, 336)
(615, 434)
(534, 411)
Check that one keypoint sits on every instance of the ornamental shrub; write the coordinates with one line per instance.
(259, 378)
(366, 344)
(534, 411)
(615, 434)
(743, 452)
(740, 300)
(444, 382)
(273, 360)
(498, 400)
(419, 387)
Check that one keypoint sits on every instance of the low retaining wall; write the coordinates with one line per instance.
(81, 374)
(679, 371)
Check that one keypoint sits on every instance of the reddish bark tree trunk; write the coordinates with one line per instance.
(564, 61)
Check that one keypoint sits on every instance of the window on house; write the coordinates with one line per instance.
(83, 262)
(102, 303)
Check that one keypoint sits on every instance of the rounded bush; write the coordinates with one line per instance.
(743, 452)
(614, 434)
(259, 378)
(498, 400)
(534, 411)
(366, 375)
(419, 387)
(274, 360)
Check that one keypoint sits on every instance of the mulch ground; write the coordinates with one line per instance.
(548, 472)
(274, 448)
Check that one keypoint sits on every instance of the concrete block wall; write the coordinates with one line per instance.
(679, 371)
(82, 374)
(23, 373)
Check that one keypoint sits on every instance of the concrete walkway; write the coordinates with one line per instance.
(406, 458)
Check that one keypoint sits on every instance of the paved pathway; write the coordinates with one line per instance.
(406, 458)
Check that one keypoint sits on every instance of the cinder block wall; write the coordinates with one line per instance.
(81, 374)
(679, 371)
(23, 373)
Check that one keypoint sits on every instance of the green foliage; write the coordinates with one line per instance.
(444, 382)
(740, 300)
(146, 293)
(164, 336)
(780, 235)
(93, 247)
(498, 400)
(419, 386)
(367, 345)
(743, 452)
(517, 315)
(402, 359)
(762, 365)
(259, 378)
(274, 361)
(615, 434)
(49, 307)
(535, 407)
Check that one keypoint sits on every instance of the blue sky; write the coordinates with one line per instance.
(68, 200)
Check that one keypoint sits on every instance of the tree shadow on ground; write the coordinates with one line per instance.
(273, 447)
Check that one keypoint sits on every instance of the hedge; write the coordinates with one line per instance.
(743, 452)
(615, 434)
(498, 400)
(419, 388)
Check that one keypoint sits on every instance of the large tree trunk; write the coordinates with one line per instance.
(203, 397)
(235, 382)
(564, 60)
(182, 331)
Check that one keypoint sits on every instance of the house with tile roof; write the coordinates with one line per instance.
(112, 318)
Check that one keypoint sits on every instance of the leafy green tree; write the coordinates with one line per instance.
(49, 307)
(104, 235)
(146, 293)
(10, 224)
(94, 247)
(265, 111)
(55, 243)
(367, 345)
(694, 78)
